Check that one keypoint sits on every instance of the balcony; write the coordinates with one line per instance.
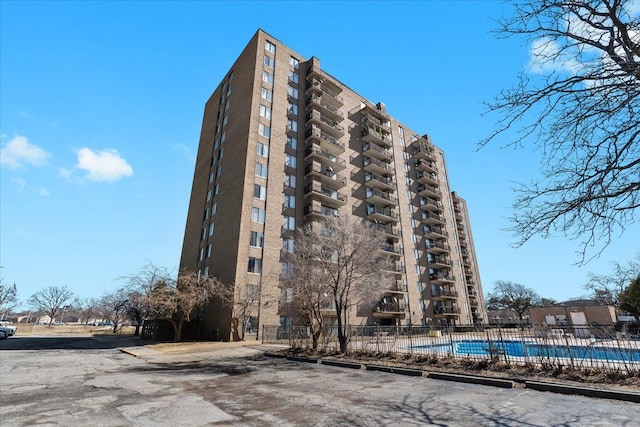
(371, 164)
(378, 197)
(393, 250)
(320, 211)
(379, 182)
(326, 141)
(427, 178)
(439, 278)
(444, 294)
(395, 269)
(432, 218)
(424, 151)
(326, 175)
(389, 308)
(389, 231)
(330, 127)
(330, 95)
(426, 166)
(327, 196)
(330, 111)
(374, 122)
(327, 159)
(428, 204)
(382, 215)
(373, 150)
(429, 191)
(440, 262)
(369, 108)
(371, 135)
(437, 247)
(445, 311)
(434, 232)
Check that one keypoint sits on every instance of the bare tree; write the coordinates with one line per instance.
(243, 305)
(606, 288)
(512, 296)
(113, 306)
(50, 300)
(304, 296)
(137, 308)
(8, 297)
(347, 265)
(87, 307)
(175, 300)
(578, 103)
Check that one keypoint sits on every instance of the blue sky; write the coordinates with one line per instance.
(101, 106)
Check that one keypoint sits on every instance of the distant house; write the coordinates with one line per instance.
(574, 313)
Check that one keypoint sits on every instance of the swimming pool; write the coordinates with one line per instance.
(531, 349)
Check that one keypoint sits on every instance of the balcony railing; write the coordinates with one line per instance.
(443, 293)
(430, 217)
(376, 150)
(425, 189)
(329, 125)
(390, 307)
(371, 135)
(330, 142)
(373, 193)
(371, 210)
(437, 245)
(387, 229)
(326, 156)
(317, 84)
(330, 109)
(372, 161)
(376, 121)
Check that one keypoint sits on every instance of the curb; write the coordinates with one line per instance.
(471, 379)
(589, 392)
(341, 364)
(130, 353)
(396, 370)
(301, 359)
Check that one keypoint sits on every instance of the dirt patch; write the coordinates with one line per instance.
(196, 346)
(587, 377)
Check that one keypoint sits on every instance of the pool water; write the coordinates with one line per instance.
(524, 349)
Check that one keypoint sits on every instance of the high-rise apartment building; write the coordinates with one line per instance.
(284, 143)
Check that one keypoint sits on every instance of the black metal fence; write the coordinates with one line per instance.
(606, 348)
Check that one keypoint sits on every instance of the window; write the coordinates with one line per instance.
(269, 46)
(256, 239)
(293, 92)
(261, 170)
(201, 254)
(220, 153)
(286, 270)
(214, 209)
(212, 226)
(259, 192)
(264, 130)
(294, 62)
(269, 61)
(290, 181)
(290, 161)
(216, 189)
(206, 215)
(267, 77)
(222, 137)
(289, 222)
(204, 233)
(263, 150)
(218, 171)
(209, 195)
(293, 109)
(208, 251)
(292, 142)
(206, 271)
(290, 201)
(211, 176)
(287, 245)
(266, 94)
(257, 215)
(227, 105)
(265, 112)
(292, 125)
(255, 265)
(293, 76)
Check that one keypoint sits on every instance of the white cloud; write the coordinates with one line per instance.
(186, 151)
(19, 153)
(44, 192)
(20, 183)
(101, 166)
(545, 57)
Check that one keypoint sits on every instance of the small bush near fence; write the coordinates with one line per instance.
(553, 348)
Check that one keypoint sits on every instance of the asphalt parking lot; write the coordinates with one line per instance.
(64, 381)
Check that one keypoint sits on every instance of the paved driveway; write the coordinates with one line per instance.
(63, 381)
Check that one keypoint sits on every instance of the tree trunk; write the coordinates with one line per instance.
(177, 329)
(137, 331)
